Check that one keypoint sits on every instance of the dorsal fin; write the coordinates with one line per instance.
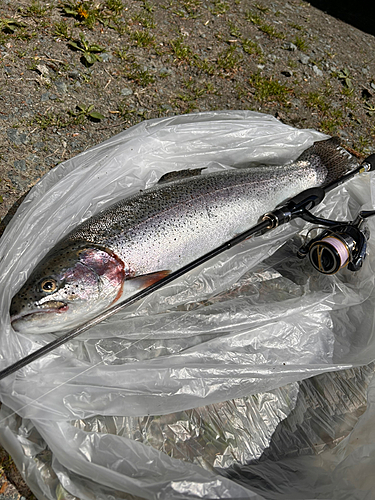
(179, 174)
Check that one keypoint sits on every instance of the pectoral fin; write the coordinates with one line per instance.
(146, 280)
(134, 285)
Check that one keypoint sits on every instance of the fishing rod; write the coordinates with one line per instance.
(344, 244)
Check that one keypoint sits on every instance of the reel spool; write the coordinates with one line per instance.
(331, 253)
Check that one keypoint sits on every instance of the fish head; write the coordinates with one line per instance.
(70, 285)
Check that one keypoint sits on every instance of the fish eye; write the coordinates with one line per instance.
(48, 285)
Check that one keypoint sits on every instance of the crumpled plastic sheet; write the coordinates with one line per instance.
(253, 320)
(287, 443)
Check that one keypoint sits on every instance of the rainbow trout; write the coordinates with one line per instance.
(140, 239)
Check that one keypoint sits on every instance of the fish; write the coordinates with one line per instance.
(142, 238)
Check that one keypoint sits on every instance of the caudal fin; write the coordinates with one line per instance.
(328, 154)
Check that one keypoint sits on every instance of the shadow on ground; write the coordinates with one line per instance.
(360, 14)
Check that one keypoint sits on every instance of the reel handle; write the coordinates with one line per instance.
(364, 214)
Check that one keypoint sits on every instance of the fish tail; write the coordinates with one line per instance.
(330, 158)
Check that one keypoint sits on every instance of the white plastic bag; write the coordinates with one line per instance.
(184, 347)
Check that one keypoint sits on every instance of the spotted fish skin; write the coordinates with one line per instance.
(138, 240)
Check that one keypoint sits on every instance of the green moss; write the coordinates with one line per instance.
(229, 59)
(267, 89)
(49, 119)
(316, 100)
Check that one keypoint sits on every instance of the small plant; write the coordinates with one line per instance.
(85, 12)
(180, 50)
(189, 9)
(142, 38)
(262, 8)
(253, 18)
(229, 59)
(271, 31)
(78, 10)
(348, 92)
(262, 26)
(115, 6)
(89, 52)
(141, 76)
(148, 6)
(251, 47)
(363, 144)
(345, 77)
(296, 26)
(62, 30)
(370, 109)
(219, 8)
(122, 54)
(205, 66)
(125, 112)
(86, 112)
(48, 120)
(146, 20)
(10, 25)
(36, 9)
(234, 31)
(328, 125)
(300, 44)
(196, 90)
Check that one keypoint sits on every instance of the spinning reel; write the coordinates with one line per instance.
(341, 245)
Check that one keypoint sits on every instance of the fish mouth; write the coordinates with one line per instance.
(47, 307)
